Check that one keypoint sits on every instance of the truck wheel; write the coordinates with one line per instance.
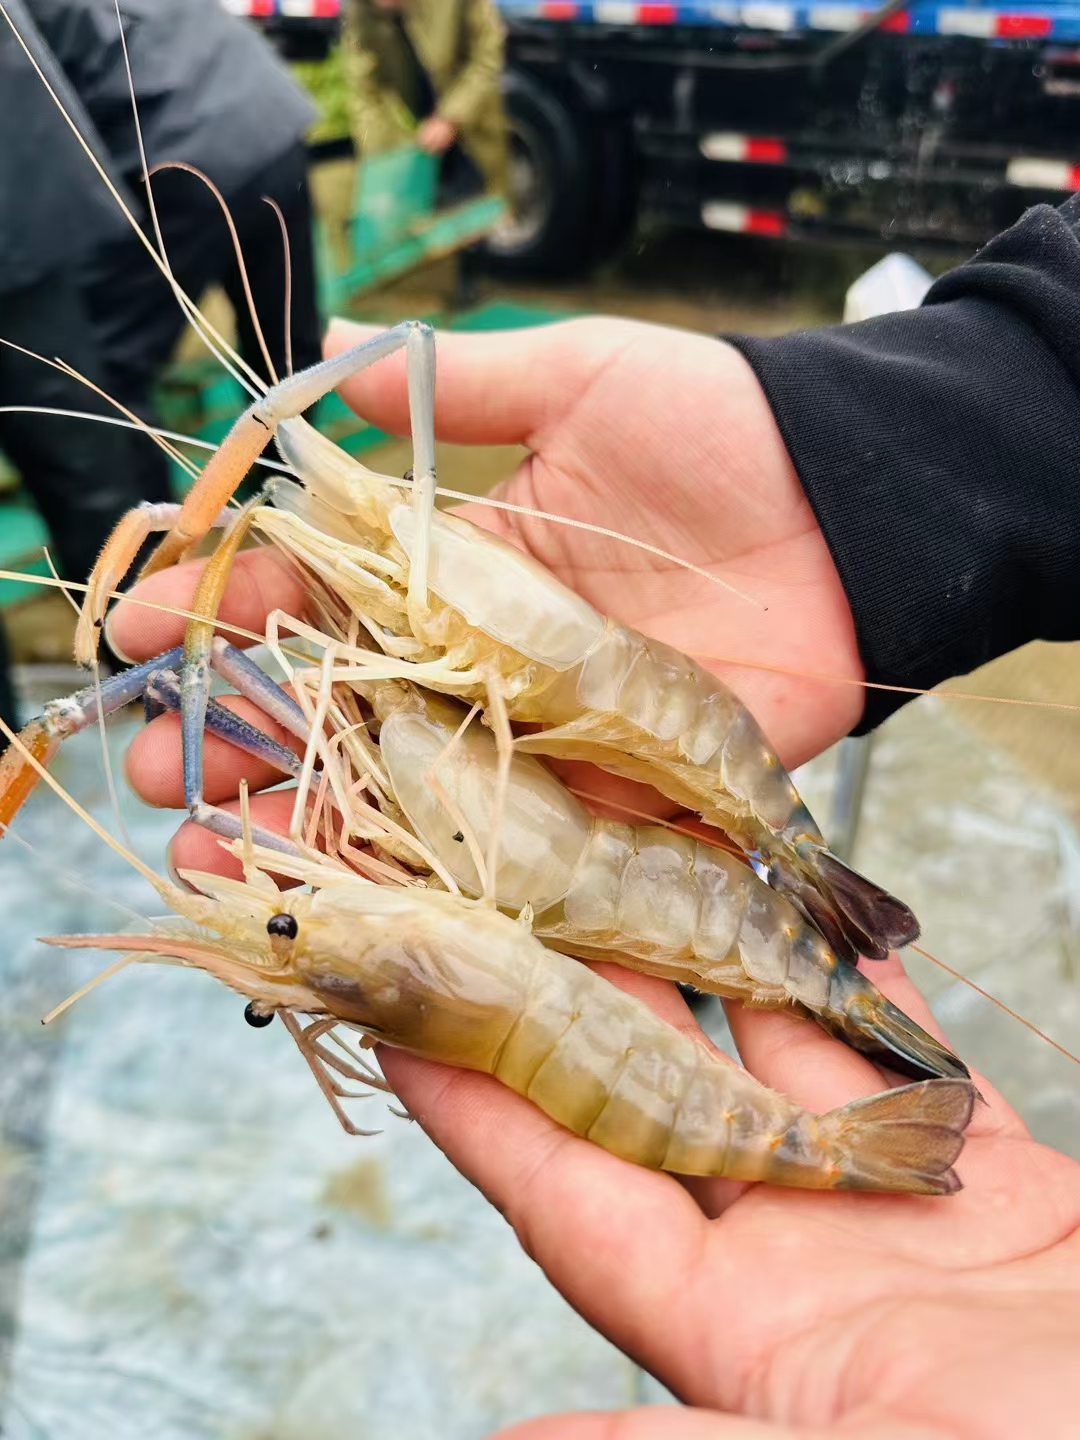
(547, 231)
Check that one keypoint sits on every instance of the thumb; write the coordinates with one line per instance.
(657, 1422)
(499, 388)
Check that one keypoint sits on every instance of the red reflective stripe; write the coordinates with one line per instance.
(261, 7)
(765, 150)
(327, 9)
(764, 222)
(898, 24)
(559, 10)
(1074, 178)
(1022, 27)
(656, 14)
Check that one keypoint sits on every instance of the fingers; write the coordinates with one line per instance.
(195, 848)
(663, 1423)
(493, 389)
(141, 625)
(154, 764)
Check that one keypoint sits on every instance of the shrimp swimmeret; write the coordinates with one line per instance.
(455, 980)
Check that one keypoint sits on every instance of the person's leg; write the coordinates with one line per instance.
(285, 182)
(82, 476)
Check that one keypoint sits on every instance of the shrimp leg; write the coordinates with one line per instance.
(158, 683)
(307, 1042)
(242, 446)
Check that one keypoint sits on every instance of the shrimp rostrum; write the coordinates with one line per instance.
(435, 588)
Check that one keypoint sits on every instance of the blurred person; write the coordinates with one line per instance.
(53, 212)
(212, 94)
(427, 72)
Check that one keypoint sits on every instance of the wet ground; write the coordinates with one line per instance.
(189, 1247)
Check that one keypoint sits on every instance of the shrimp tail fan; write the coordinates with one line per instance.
(905, 1140)
(871, 920)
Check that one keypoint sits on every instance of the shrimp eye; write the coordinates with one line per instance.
(283, 925)
(253, 1018)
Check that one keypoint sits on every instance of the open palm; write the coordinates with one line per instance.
(667, 437)
(855, 1316)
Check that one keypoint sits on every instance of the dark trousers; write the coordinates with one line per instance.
(82, 476)
(136, 317)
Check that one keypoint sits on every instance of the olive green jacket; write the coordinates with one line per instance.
(460, 43)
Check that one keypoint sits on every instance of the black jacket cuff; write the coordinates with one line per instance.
(940, 449)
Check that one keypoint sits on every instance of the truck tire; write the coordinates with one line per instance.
(548, 233)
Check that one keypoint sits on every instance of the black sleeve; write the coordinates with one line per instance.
(940, 450)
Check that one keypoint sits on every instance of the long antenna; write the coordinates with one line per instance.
(182, 297)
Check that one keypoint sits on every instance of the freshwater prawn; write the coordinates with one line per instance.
(648, 896)
(454, 980)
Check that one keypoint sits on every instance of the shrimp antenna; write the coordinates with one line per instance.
(194, 315)
(238, 251)
(878, 685)
(110, 970)
(287, 256)
(534, 514)
(219, 347)
(156, 432)
(134, 422)
(70, 878)
(967, 980)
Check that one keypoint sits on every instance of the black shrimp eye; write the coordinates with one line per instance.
(284, 925)
(253, 1018)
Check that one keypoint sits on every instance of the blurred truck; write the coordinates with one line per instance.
(919, 124)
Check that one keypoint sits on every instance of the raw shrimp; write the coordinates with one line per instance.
(454, 980)
(646, 896)
(447, 591)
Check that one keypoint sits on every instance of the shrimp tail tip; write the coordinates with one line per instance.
(874, 921)
(880, 1030)
(905, 1140)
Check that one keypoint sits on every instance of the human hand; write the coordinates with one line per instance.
(656, 432)
(811, 1316)
(666, 436)
(871, 1318)
(436, 135)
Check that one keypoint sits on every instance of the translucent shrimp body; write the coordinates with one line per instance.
(601, 691)
(453, 980)
(647, 896)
